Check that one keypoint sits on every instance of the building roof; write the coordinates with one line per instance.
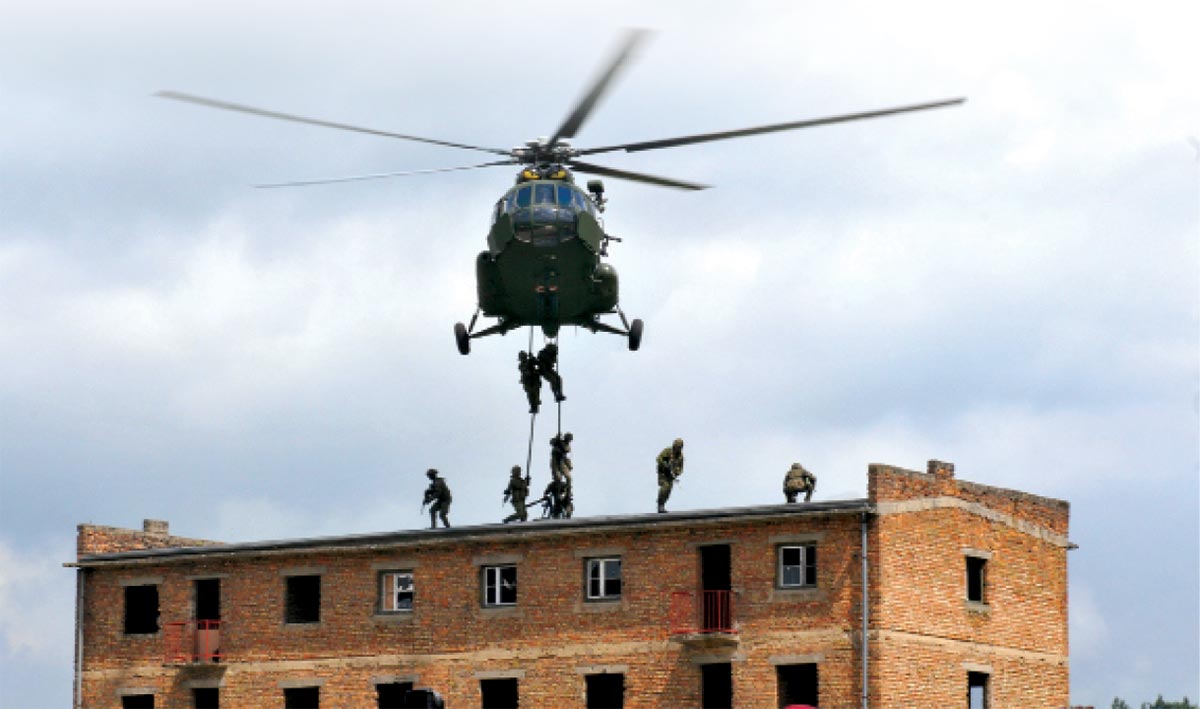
(534, 528)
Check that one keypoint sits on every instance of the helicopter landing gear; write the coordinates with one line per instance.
(462, 339)
(635, 335)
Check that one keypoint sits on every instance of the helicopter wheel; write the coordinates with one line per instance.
(461, 338)
(635, 335)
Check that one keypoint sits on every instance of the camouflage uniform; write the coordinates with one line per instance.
(438, 493)
(531, 381)
(547, 365)
(669, 466)
(517, 490)
(560, 456)
(799, 480)
(557, 499)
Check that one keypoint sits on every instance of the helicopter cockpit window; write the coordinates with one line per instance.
(543, 194)
(565, 196)
(524, 196)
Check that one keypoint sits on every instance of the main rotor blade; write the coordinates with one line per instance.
(381, 175)
(226, 106)
(600, 84)
(635, 176)
(773, 128)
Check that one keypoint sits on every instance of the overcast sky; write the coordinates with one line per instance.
(1011, 285)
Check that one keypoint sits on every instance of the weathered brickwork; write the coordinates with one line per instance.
(924, 635)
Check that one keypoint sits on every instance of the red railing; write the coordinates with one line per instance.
(711, 612)
(192, 641)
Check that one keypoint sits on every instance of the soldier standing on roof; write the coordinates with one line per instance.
(438, 493)
(669, 465)
(799, 480)
(517, 490)
(531, 381)
(547, 365)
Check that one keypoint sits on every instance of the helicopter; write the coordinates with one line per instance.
(544, 263)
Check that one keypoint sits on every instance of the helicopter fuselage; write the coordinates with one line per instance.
(543, 263)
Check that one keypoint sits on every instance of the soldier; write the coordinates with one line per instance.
(560, 455)
(554, 499)
(670, 466)
(517, 490)
(547, 365)
(799, 480)
(438, 493)
(531, 381)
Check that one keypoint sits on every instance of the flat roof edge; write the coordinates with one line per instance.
(478, 532)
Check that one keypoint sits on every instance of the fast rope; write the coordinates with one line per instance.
(532, 419)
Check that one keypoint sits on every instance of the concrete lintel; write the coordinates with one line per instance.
(796, 659)
(500, 674)
(211, 683)
(136, 691)
(778, 539)
(599, 552)
(497, 559)
(602, 669)
(142, 581)
(300, 683)
(977, 667)
(395, 565)
(395, 679)
(304, 571)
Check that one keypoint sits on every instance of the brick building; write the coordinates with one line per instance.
(966, 605)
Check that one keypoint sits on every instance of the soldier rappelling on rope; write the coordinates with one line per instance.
(560, 455)
(547, 366)
(531, 381)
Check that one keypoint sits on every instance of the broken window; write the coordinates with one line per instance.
(977, 690)
(499, 585)
(303, 602)
(206, 698)
(976, 579)
(603, 579)
(396, 591)
(606, 691)
(798, 565)
(797, 684)
(137, 701)
(302, 698)
(141, 609)
(500, 693)
(391, 694)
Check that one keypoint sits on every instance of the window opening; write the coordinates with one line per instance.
(206, 698)
(797, 684)
(977, 690)
(302, 698)
(716, 686)
(606, 691)
(499, 585)
(500, 693)
(303, 604)
(391, 694)
(604, 579)
(141, 610)
(976, 568)
(208, 599)
(397, 591)
(137, 701)
(798, 566)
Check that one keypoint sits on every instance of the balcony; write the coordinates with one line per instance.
(703, 618)
(192, 642)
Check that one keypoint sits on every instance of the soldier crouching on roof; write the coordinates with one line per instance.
(517, 491)
(669, 466)
(799, 480)
(438, 493)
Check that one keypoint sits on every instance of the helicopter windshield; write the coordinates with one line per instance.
(545, 213)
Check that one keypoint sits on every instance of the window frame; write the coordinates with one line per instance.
(288, 606)
(601, 563)
(382, 605)
(808, 566)
(141, 615)
(492, 590)
(981, 570)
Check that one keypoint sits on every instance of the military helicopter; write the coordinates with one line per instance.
(544, 263)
